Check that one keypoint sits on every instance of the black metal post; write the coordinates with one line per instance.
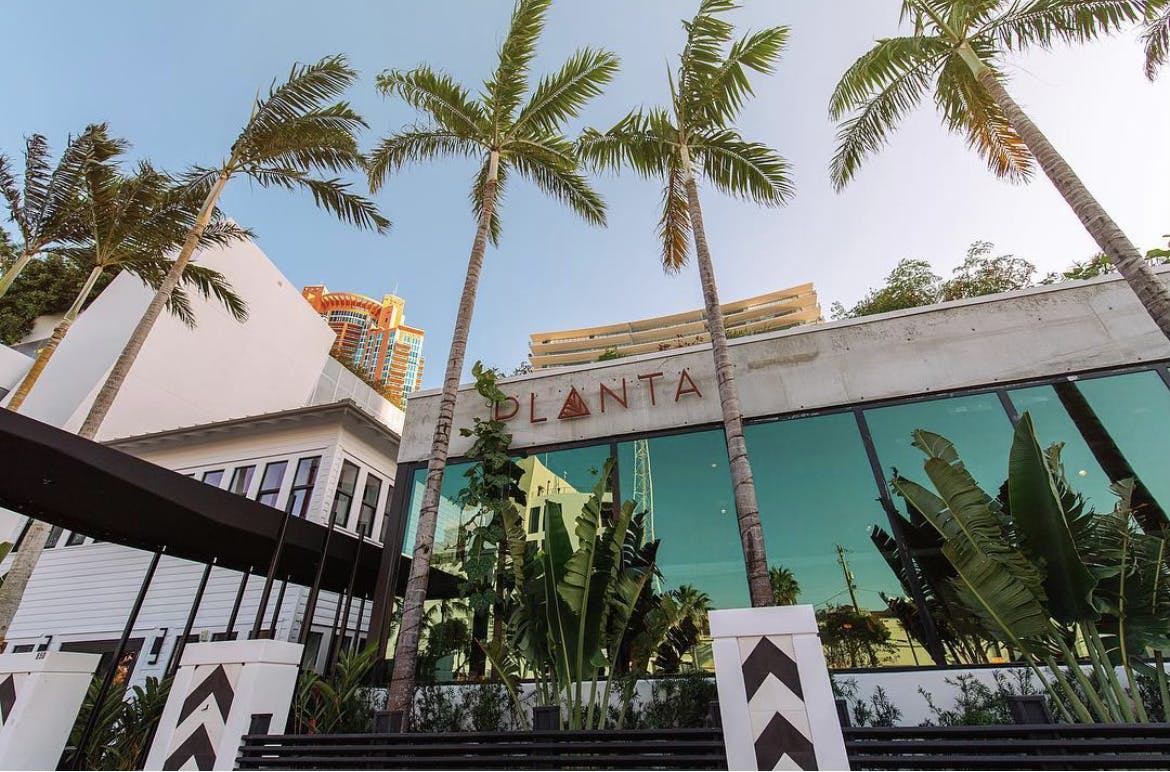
(182, 644)
(108, 680)
(334, 639)
(393, 535)
(357, 626)
(277, 552)
(276, 609)
(339, 633)
(231, 625)
(315, 590)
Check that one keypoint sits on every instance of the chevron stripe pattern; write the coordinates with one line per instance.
(7, 696)
(203, 717)
(775, 699)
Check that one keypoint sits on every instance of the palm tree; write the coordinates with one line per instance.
(289, 139)
(133, 223)
(505, 134)
(957, 47)
(695, 133)
(1156, 35)
(785, 587)
(44, 204)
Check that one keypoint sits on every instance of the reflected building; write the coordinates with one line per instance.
(829, 411)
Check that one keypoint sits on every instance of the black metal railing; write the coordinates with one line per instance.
(624, 749)
(1011, 746)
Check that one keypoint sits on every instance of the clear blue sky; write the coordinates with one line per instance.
(178, 79)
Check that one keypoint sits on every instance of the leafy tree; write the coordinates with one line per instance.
(7, 253)
(912, 283)
(852, 638)
(132, 224)
(44, 202)
(785, 587)
(696, 133)
(291, 138)
(506, 135)
(45, 286)
(1156, 35)
(981, 274)
(957, 47)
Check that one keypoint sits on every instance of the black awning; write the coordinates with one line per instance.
(84, 486)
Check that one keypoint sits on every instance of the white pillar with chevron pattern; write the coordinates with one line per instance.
(218, 689)
(775, 697)
(40, 696)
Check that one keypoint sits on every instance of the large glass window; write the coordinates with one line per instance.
(302, 487)
(682, 482)
(343, 497)
(271, 482)
(213, 477)
(242, 480)
(369, 506)
(977, 424)
(819, 509)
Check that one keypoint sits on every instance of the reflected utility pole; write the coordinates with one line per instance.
(849, 583)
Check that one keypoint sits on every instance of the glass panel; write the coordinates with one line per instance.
(53, 537)
(683, 482)
(213, 477)
(74, 539)
(242, 480)
(977, 424)
(302, 489)
(370, 494)
(1054, 424)
(1134, 410)
(270, 483)
(343, 497)
(818, 506)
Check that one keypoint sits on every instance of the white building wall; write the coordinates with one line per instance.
(222, 369)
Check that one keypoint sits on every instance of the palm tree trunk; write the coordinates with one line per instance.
(747, 511)
(9, 277)
(109, 391)
(406, 650)
(19, 572)
(1109, 237)
(46, 352)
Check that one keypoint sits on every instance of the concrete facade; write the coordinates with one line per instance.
(1044, 331)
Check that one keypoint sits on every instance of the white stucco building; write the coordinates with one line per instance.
(257, 408)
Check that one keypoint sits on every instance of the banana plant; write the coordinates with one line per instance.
(1046, 575)
(572, 604)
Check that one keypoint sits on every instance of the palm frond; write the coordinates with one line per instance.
(564, 183)
(305, 90)
(333, 195)
(748, 170)
(674, 228)
(723, 93)
(1026, 23)
(321, 139)
(413, 145)
(10, 189)
(1156, 36)
(212, 284)
(508, 83)
(560, 96)
(646, 142)
(703, 53)
(448, 105)
(883, 86)
(968, 108)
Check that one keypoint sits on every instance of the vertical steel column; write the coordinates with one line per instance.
(277, 552)
(231, 625)
(339, 634)
(111, 672)
(315, 590)
(276, 609)
(385, 588)
(932, 645)
(182, 644)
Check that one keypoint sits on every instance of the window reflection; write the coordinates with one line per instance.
(818, 507)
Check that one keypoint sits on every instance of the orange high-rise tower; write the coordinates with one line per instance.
(373, 338)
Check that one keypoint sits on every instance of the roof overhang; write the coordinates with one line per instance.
(60, 478)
